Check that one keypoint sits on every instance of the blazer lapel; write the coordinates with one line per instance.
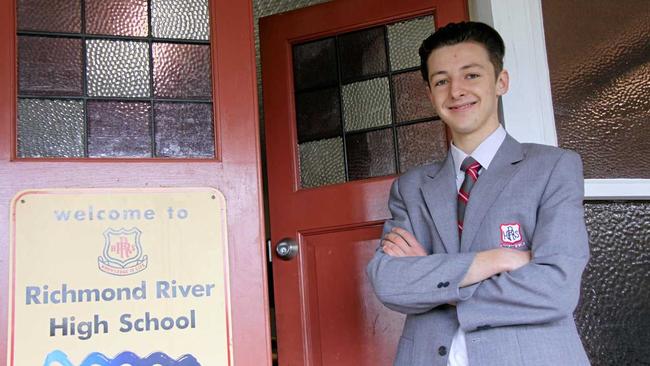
(440, 197)
(488, 187)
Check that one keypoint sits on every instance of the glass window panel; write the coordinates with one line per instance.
(421, 143)
(362, 53)
(613, 315)
(366, 104)
(50, 128)
(182, 71)
(318, 114)
(117, 17)
(411, 99)
(50, 66)
(404, 40)
(118, 68)
(314, 64)
(600, 81)
(49, 16)
(370, 154)
(184, 130)
(321, 162)
(181, 19)
(119, 129)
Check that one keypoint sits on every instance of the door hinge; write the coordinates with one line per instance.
(269, 251)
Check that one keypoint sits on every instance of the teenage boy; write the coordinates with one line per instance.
(485, 250)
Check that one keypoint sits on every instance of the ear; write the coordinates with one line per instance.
(503, 82)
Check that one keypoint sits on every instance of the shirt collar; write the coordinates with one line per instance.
(484, 153)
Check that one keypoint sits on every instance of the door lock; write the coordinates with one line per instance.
(286, 249)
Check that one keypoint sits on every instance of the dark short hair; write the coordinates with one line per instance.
(454, 33)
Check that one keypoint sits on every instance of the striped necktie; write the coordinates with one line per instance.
(471, 168)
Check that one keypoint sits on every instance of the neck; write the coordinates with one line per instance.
(469, 142)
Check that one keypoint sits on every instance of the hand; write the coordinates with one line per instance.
(514, 259)
(400, 243)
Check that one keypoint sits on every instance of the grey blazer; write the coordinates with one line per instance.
(530, 198)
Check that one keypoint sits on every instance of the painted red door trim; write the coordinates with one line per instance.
(237, 174)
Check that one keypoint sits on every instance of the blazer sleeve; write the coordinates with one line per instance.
(546, 289)
(413, 285)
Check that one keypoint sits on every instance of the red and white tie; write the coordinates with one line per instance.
(471, 168)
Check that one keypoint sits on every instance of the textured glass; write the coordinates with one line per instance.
(321, 163)
(318, 114)
(182, 71)
(49, 15)
(366, 104)
(421, 143)
(118, 68)
(613, 315)
(370, 154)
(119, 129)
(50, 128)
(404, 40)
(600, 79)
(181, 19)
(314, 64)
(362, 53)
(411, 100)
(184, 130)
(117, 17)
(49, 66)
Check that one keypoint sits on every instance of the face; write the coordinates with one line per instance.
(464, 90)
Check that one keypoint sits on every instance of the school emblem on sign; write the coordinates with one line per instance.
(122, 255)
(511, 236)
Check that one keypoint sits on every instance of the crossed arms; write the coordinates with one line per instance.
(498, 287)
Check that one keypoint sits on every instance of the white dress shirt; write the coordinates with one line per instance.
(484, 154)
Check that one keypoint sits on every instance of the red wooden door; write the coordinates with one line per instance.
(326, 311)
(235, 170)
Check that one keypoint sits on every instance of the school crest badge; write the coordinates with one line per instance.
(511, 236)
(122, 254)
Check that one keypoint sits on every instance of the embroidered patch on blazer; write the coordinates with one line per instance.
(511, 236)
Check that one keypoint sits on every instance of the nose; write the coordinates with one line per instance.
(456, 89)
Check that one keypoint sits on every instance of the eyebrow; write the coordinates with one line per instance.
(468, 66)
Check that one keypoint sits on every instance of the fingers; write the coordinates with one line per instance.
(408, 237)
(392, 249)
(399, 243)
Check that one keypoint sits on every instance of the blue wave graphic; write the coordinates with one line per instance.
(57, 357)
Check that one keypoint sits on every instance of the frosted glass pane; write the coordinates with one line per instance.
(117, 17)
(421, 143)
(119, 129)
(411, 99)
(49, 15)
(370, 154)
(600, 79)
(50, 128)
(366, 104)
(182, 71)
(49, 66)
(404, 40)
(184, 130)
(183, 19)
(321, 162)
(362, 53)
(118, 68)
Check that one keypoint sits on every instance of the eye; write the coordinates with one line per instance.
(472, 76)
(440, 82)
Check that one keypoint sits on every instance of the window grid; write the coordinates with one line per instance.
(388, 73)
(152, 99)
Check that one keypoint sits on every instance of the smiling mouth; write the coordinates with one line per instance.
(462, 107)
